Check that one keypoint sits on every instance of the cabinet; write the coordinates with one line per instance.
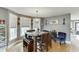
(2, 35)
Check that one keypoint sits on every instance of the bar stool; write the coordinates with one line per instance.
(38, 38)
(44, 43)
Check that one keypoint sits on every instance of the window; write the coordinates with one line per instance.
(77, 28)
(36, 23)
(23, 30)
(12, 26)
(13, 32)
(25, 24)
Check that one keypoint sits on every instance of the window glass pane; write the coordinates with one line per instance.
(77, 26)
(36, 23)
(13, 32)
(25, 24)
(12, 27)
(23, 30)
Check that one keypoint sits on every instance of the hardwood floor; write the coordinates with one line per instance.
(56, 47)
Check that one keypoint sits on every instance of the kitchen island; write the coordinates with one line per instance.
(33, 39)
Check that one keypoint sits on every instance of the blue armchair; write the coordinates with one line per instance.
(62, 37)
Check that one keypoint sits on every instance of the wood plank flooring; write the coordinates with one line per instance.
(56, 47)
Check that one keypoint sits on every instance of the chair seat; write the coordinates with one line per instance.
(62, 39)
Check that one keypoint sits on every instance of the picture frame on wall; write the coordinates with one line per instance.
(53, 22)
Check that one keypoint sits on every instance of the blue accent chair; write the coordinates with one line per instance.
(62, 37)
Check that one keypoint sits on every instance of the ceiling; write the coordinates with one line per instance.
(43, 11)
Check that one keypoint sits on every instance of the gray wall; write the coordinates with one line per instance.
(3, 13)
(59, 27)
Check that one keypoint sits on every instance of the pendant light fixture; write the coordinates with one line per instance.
(37, 20)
